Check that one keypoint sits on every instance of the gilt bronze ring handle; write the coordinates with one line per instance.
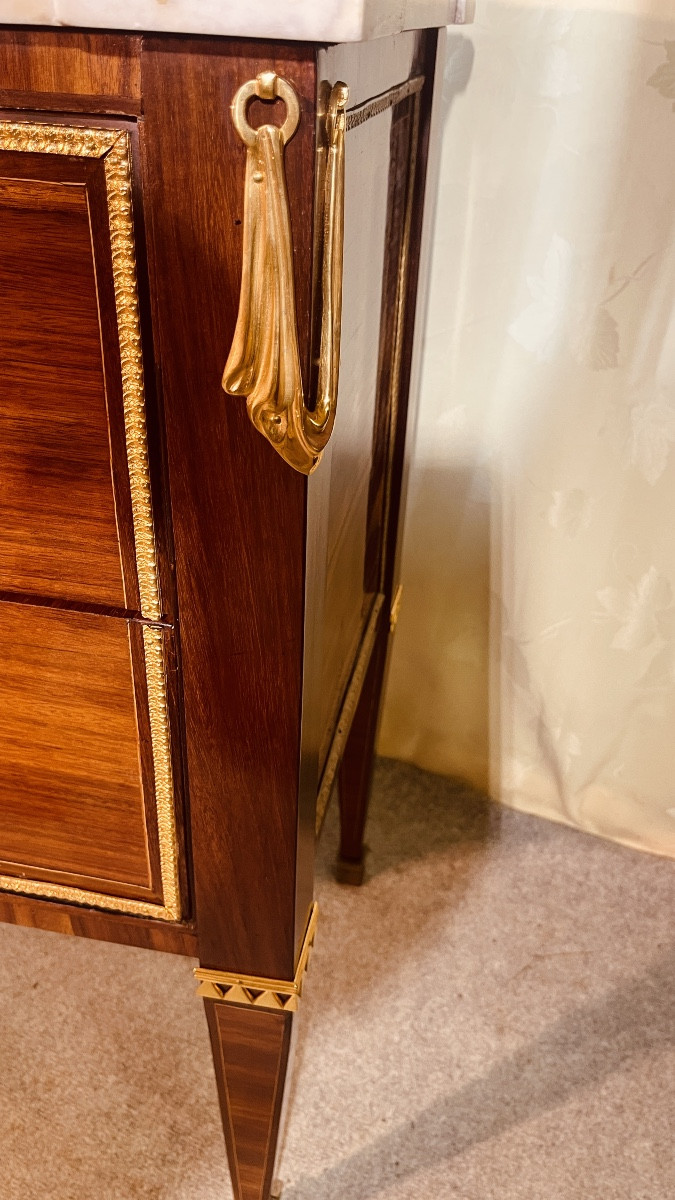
(266, 86)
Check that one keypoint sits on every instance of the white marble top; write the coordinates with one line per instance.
(299, 20)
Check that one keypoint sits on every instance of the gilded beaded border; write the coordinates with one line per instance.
(113, 145)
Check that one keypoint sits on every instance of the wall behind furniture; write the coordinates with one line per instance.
(535, 652)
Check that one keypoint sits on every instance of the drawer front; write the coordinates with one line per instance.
(87, 808)
(66, 72)
(86, 788)
(75, 510)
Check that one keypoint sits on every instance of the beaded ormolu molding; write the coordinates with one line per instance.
(113, 146)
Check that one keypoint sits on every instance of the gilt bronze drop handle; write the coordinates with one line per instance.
(264, 361)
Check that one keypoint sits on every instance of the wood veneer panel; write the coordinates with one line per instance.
(238, 510)
(58, 520)
(378, 157)
(250, 1054)
(79, 921)
(58, 70)
(72, 806)
(347, 604)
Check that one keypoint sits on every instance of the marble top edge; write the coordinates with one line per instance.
(287, 20)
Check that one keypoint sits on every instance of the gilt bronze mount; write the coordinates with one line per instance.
(281, 995)
(264, 360)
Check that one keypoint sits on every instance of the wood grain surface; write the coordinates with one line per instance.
(72, 805)
(250, 1055)
(378, 156)
(64, 71)
(356, 769)
(238, 510)
(58, 515)
(73, 919)
(355, 775)
(424, 63)
(392, 183)
(366, 255)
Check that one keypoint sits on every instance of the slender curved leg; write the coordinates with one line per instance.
(356, 770)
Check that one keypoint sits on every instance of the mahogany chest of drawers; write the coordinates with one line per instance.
(197, 581)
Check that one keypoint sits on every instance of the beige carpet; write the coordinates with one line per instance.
(491, 1017)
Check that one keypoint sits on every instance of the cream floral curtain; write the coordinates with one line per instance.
(535, 653)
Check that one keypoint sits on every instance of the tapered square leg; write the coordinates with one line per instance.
(356, 770)
(250, 1053)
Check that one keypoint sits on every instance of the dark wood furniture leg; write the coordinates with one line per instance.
(250, 1054)
(356, 770)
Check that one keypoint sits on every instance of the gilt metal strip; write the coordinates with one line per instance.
(120, 216)
(347, 712)
(113, 145)
(379, 104)
(255, 990)
(399, 333)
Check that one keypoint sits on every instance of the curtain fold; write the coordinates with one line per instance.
(535, 652)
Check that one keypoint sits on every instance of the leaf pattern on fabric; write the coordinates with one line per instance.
(598, 342)
(663, 78)
(554, 318)
(515, 662)
(570, 511)
(569, 746)
(660, 674)
(637, 610)
(541, 326)
(651, 436)
(552, 300)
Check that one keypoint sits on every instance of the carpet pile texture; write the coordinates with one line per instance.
(490, 1017)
